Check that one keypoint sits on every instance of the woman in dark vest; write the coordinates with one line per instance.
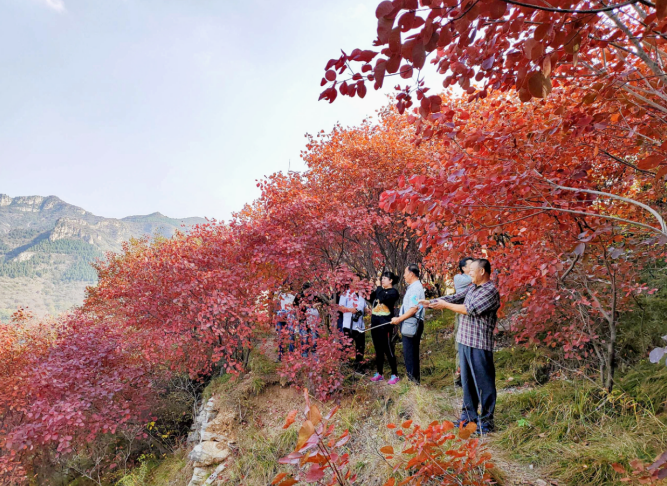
(383, 299)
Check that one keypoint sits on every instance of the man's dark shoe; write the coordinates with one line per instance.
(457, 381)
(485, 429)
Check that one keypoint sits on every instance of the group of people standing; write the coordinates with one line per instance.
(384, 321)
(475, 303)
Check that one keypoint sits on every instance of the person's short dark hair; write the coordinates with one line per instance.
(391, 276)
(485, 264)
(463, 262)
(414, 269)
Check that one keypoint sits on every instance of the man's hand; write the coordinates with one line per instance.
(395, 321)
(425, 302)
(439, 305)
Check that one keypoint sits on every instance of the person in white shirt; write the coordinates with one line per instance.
(353, 307)
(285, 324)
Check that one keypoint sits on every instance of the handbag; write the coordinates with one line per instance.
(412, 328)
(409, 327)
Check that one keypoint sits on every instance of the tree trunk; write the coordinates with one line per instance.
(611, 356)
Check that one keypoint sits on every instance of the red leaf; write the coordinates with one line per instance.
(306, 431)
(539, 85)
(361, 89)
(380, 67)
(288, 482)
(488, 63)
(278, 478)
(314, 474)
(393, 63)
(445, 37)
(418, 54)
(661, 9)
(384, 8)
(290, 419)
(406, 21)
(384, 28)
(650, 162)
(395, 40)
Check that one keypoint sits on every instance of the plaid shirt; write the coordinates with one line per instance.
(476, 328)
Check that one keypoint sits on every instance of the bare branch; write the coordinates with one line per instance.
(572, 10)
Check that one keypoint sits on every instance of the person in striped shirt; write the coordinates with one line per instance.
(478, 304)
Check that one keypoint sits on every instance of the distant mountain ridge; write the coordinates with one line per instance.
(47, 244)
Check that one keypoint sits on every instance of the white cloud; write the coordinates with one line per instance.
(57, 5)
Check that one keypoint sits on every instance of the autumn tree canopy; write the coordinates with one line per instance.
(527, 46)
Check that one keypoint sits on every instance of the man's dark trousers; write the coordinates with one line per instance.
(478, 376)
(411, 353)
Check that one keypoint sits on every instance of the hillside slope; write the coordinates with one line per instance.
(46, 246)
(553, 427)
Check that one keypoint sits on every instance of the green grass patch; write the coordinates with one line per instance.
(152, 471)
(518, 366)
(258, 454)
(575, 430)
(438, 350)
(217, 385)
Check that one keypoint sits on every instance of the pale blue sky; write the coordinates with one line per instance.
(134, 106)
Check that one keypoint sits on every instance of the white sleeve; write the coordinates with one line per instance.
(360, 304)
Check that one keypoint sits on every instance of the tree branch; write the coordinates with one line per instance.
(571, 10)
(655, 214)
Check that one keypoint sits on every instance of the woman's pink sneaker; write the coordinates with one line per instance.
(393, 380)
(377, 377)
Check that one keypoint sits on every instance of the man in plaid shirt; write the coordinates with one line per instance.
(478, 303)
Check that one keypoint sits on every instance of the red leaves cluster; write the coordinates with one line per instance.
(496, 45)
(65, 383)
(439, 452)
(640, 473)
(321, 369)
(318, 454)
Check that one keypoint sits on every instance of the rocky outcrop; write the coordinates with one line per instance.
(209, 453)
(35, 204)
(213, 436)
(25, 256)
(107, 234)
